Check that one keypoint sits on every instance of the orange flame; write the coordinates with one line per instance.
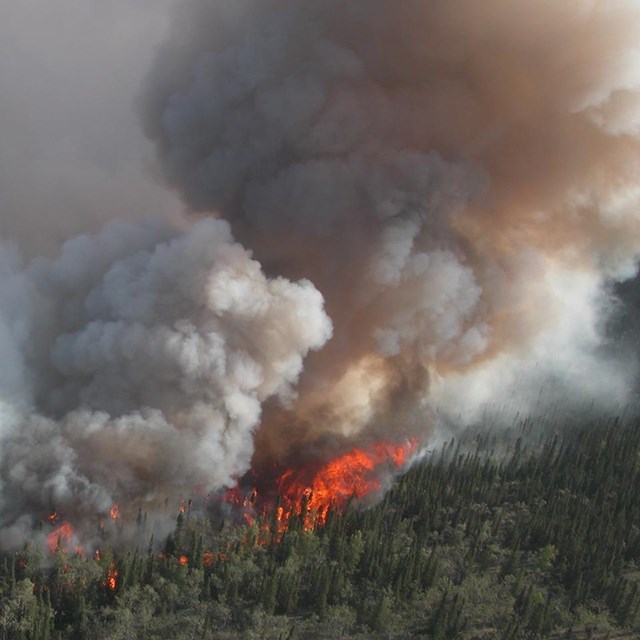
(183, 560)
(209, 558)
(111, 581)
(114, 512)
(310, 492)
(236, 497)
(60, 538)
(336, 482)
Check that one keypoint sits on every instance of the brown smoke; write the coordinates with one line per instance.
(429, 165)
(453, 181)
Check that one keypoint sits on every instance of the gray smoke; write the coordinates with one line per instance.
(140, 359)
(458, 180)
(73, 153)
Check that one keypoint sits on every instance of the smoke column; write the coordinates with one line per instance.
(455, 182)
(139, 361)
(459, 179)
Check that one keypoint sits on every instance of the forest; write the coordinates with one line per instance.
(488, 537)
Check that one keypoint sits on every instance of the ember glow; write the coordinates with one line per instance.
(114, 512)
(62, 539)
(351, 476)
(311, 491)
(111, 581)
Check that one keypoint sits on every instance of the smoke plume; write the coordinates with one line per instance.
(140, 359)
(457, 178)
(457, 181)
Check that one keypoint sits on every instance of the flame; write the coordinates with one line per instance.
(236, 497)
(111, 581)
(60, 538)
(352, 475)
(52, 517)
(183, 560)
(208, 558)
(114, 512)
(311, 491)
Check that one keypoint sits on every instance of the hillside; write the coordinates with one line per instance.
(543, 542)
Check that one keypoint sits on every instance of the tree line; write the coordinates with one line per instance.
(540, 542)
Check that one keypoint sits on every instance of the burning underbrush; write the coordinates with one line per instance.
(309, 491)
(272, 508)
(268, 501)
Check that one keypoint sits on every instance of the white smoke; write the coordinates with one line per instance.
(458, 180)
(437, 169)
(143, 372)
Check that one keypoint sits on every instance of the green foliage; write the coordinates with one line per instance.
(543, 542)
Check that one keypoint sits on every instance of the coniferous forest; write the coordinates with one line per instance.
(540, 540)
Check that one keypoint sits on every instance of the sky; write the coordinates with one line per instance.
(72, 151)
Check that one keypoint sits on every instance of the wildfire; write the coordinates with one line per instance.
(335, 483)
(304, 494)
(62, 538)
(311, 491)
(114, 512)
(111, 581)
(247, 502)
(209, 558)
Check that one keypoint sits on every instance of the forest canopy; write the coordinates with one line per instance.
(532, 537)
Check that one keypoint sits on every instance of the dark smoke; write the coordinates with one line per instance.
(456, 180)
